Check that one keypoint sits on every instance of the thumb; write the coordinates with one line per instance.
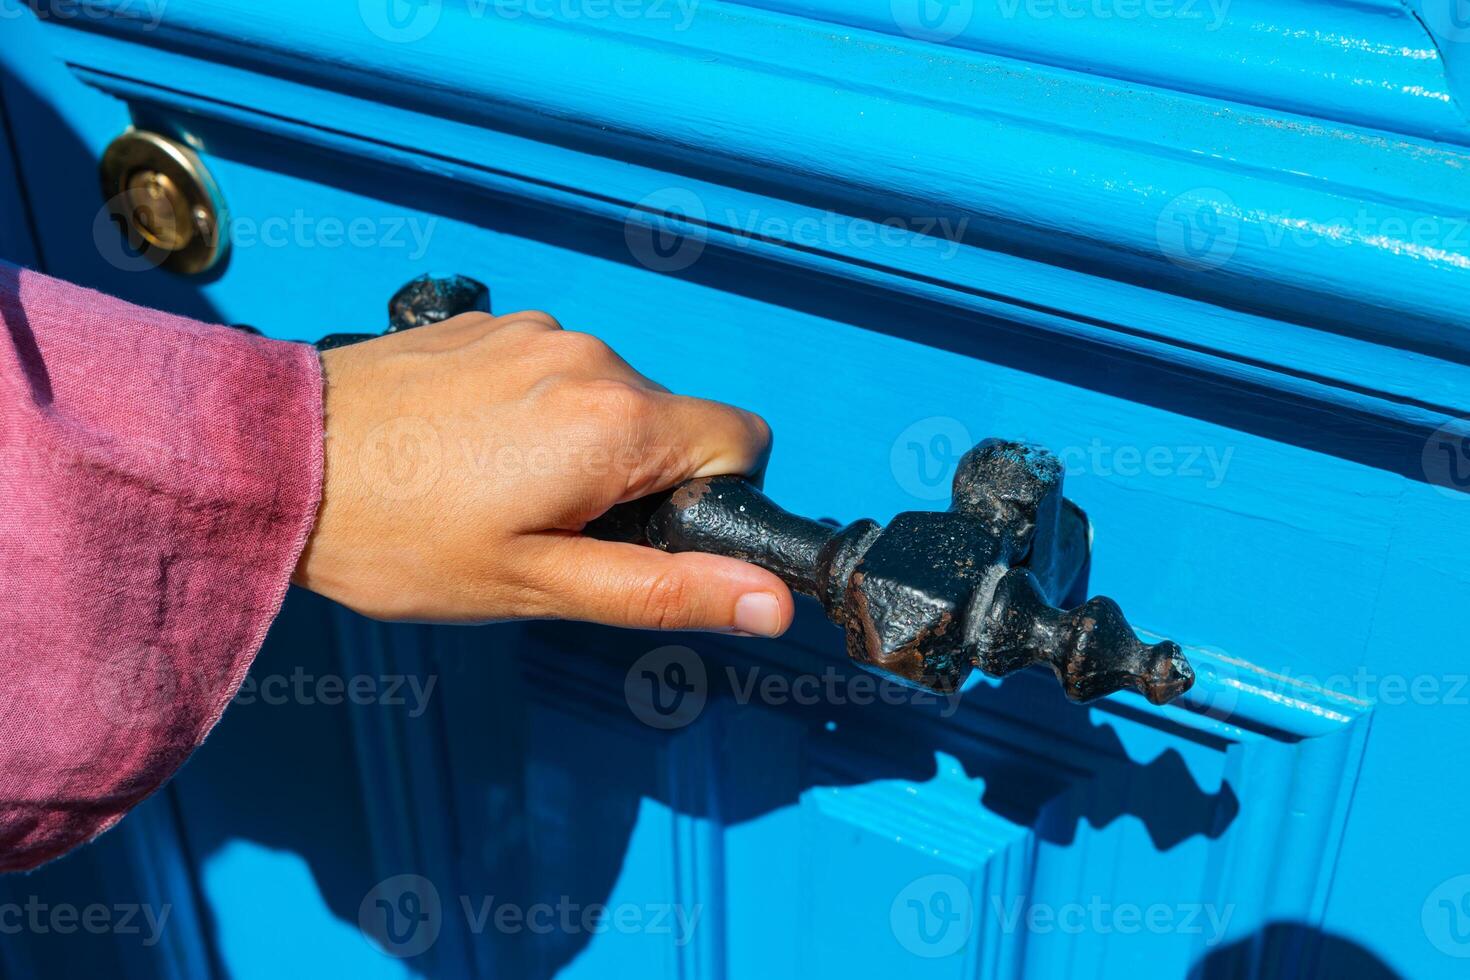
(642, 588)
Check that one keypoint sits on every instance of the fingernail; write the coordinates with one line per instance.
(759, 614)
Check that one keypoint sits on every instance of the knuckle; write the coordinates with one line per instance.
(580, 350)
(607, 414)
(532, 318)
(760, 430)
(474, 320)
(665, 602)
(618, 403)
(554, 393)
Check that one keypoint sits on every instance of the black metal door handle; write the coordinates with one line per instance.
(934, 594)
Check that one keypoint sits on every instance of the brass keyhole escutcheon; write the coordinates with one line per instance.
(164, 201)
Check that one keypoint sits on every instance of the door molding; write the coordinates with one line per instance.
(1338, 266)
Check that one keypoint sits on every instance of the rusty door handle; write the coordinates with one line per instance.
(934, 594)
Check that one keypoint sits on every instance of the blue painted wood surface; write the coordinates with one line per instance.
(15, 220)
(1223, 272)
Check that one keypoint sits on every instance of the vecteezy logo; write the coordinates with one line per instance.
(1218, 682)
(117, 231)
(665, 230)
(931, 917)
(1446, 917)
(1199, 229)
(401, 21)
(401, 916)
(1446, 458)
(924, 456)
(1447, 20)
(135, 687)
(932, 20)
(667, 688)
(401, 458)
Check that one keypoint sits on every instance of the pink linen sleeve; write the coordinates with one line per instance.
(158, 480)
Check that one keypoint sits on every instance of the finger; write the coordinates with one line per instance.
(633, 586)
(693, 437)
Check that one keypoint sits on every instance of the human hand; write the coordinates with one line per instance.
(464, 458)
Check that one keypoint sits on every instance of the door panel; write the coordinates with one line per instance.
(15, 224)
(1248, 433)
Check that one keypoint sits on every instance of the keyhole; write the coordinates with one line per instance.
(160, 213)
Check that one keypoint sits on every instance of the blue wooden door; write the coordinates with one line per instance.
(1214, 255)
